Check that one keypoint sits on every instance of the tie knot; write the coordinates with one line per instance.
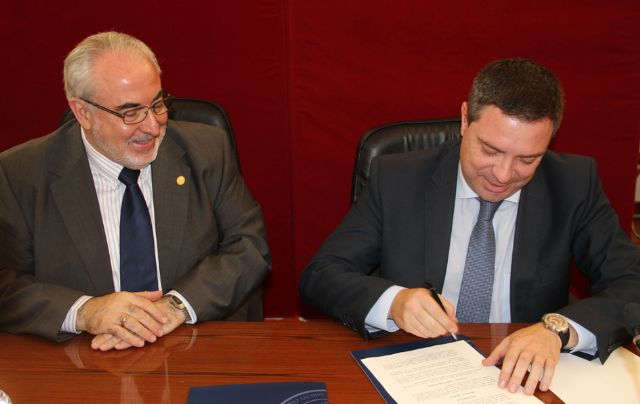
(129, 177)
(488, 209)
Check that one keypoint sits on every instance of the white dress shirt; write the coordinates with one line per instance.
(465, 215)
(110, 191)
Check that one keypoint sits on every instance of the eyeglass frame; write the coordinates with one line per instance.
(165, 100)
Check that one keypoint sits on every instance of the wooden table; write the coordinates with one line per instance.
(35, 370)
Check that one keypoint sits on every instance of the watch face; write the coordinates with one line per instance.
(177, 302)
(555, 322)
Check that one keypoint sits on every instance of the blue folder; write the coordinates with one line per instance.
(392, 349)
(267, 393)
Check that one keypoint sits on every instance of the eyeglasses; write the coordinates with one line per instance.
(137, 115)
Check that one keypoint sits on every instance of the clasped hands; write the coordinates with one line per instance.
(533, 349)
(121, 320)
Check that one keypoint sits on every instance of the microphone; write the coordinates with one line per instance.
(632, 318)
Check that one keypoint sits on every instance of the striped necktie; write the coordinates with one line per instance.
(474, 303)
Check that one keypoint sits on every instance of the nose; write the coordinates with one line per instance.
(151, 123)
(503, 170)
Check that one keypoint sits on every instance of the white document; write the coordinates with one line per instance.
(447, 373)
(578, 381)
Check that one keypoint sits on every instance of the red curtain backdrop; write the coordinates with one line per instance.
(303, 80)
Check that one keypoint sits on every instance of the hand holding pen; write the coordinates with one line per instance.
(436, 297)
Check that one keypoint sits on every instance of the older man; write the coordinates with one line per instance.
(493, 222)
(124, 224)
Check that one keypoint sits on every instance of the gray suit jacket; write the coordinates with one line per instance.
(211, 239)
(402, 226)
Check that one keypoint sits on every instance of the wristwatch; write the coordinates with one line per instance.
(177, 304)
(558, 324)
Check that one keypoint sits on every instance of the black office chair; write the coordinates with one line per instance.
(399, 137)
(192, 110)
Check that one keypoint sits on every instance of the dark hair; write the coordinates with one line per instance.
(521, 88)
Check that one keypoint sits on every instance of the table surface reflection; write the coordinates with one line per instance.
(33, 369)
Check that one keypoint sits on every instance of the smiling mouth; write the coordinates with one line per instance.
(492, 187)
(142, 141)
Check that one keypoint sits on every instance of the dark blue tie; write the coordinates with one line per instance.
(474, 302)
(137, 253)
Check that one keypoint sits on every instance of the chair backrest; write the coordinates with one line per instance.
(399, 137)
(192, 110)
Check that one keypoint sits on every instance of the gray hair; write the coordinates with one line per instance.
(78, 80)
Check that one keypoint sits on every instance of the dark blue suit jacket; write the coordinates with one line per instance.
(399, 231)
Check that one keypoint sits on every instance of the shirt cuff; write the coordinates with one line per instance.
(192, 314)
(69, 323)
(587, 342)
(378, 317)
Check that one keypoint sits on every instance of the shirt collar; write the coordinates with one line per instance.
(464, 191)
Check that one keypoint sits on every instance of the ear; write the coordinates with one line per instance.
(81, 111)
(464, 121)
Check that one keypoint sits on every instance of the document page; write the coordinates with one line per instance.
(577, 380)
(447, 373)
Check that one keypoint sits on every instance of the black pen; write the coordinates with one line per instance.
(435, 296)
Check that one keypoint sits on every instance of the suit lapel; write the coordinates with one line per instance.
(526, 245)
(75, 197)
(170, 199)
(440, 195)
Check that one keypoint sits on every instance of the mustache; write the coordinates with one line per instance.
(142, 138)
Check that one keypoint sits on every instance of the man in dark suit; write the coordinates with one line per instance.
(63, 262)
(416, 219)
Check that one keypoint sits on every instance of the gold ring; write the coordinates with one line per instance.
(123, 320)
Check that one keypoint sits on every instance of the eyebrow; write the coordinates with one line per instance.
(535, 155)
(129, 105)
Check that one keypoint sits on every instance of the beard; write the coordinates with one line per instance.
(122, 152)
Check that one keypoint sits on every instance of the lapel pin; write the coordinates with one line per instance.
(180, 180)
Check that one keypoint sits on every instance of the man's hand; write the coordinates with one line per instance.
(131, 317)
(416, 312)
(535, 347)
(174, 317)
